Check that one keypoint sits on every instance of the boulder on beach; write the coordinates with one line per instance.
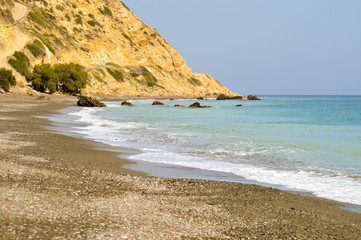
(198, 105)
(125, 103)
(225, 97)
(157, 103)
(89, 102)
(200, 98)
(252, 98)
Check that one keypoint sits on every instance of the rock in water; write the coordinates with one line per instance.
(157, 103)
(198, 105)
(89, 102)
(125, 103)
(235, 97)
(222, 97)
(200, 98)
(252, 98)
(240, 105)
(195, 105)
(179, 106)
(225, 97)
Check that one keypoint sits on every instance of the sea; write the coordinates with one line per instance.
(310, 144)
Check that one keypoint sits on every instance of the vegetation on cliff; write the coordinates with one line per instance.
(66, 78)
(20, 62)
(7, 79)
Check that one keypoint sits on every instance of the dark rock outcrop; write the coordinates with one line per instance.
(252, 98)
(240, 105)
(195, 105)
(125, 103)
(157, 103)
(198, 105)
(225, 97)
(200, 98)
(89, 102)
(179, 106)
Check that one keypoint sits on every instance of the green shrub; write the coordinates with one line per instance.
(7, 15)
(116, 74)
(78, 19)
(38, 18)
(134, 74)
(72, 77)
(43, 77)
(102, 72)
(89, 37)
(68, 78)
(125, 6)
(20, 62)
(128, 38)
(97, 77)
(57, 41)
(7, 79)
(48, 15)
(68, 17)
(194, 81)
(36, 48)
(113, 64)
(158, 66)
(45, 40)
(60, 8)
(91, 23)
(151, 80)
(106, 11)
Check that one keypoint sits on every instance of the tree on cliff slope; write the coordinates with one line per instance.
(68, 78)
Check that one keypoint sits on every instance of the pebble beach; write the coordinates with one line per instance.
(55, 186)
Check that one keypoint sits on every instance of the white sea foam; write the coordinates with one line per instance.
(323, 186)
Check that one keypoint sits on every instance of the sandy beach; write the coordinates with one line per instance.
(60, 187)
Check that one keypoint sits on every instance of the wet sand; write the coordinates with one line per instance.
(59, 187)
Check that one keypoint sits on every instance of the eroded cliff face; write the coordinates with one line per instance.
(122, 54)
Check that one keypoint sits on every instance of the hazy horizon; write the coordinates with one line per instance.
(265, 47)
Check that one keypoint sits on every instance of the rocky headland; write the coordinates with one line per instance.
(122, 55)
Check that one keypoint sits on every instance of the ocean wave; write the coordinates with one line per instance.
(327, 186)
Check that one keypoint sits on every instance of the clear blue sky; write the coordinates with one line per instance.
(265, 46)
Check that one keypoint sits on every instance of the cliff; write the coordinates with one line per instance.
(123, 55)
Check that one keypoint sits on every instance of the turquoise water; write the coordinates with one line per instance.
(306, 143)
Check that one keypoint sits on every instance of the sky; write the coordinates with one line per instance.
(310, 47)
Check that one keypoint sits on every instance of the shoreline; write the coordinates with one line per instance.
(163, 170)
(45, 166)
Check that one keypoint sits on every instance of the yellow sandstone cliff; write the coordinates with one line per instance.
(123, 55)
